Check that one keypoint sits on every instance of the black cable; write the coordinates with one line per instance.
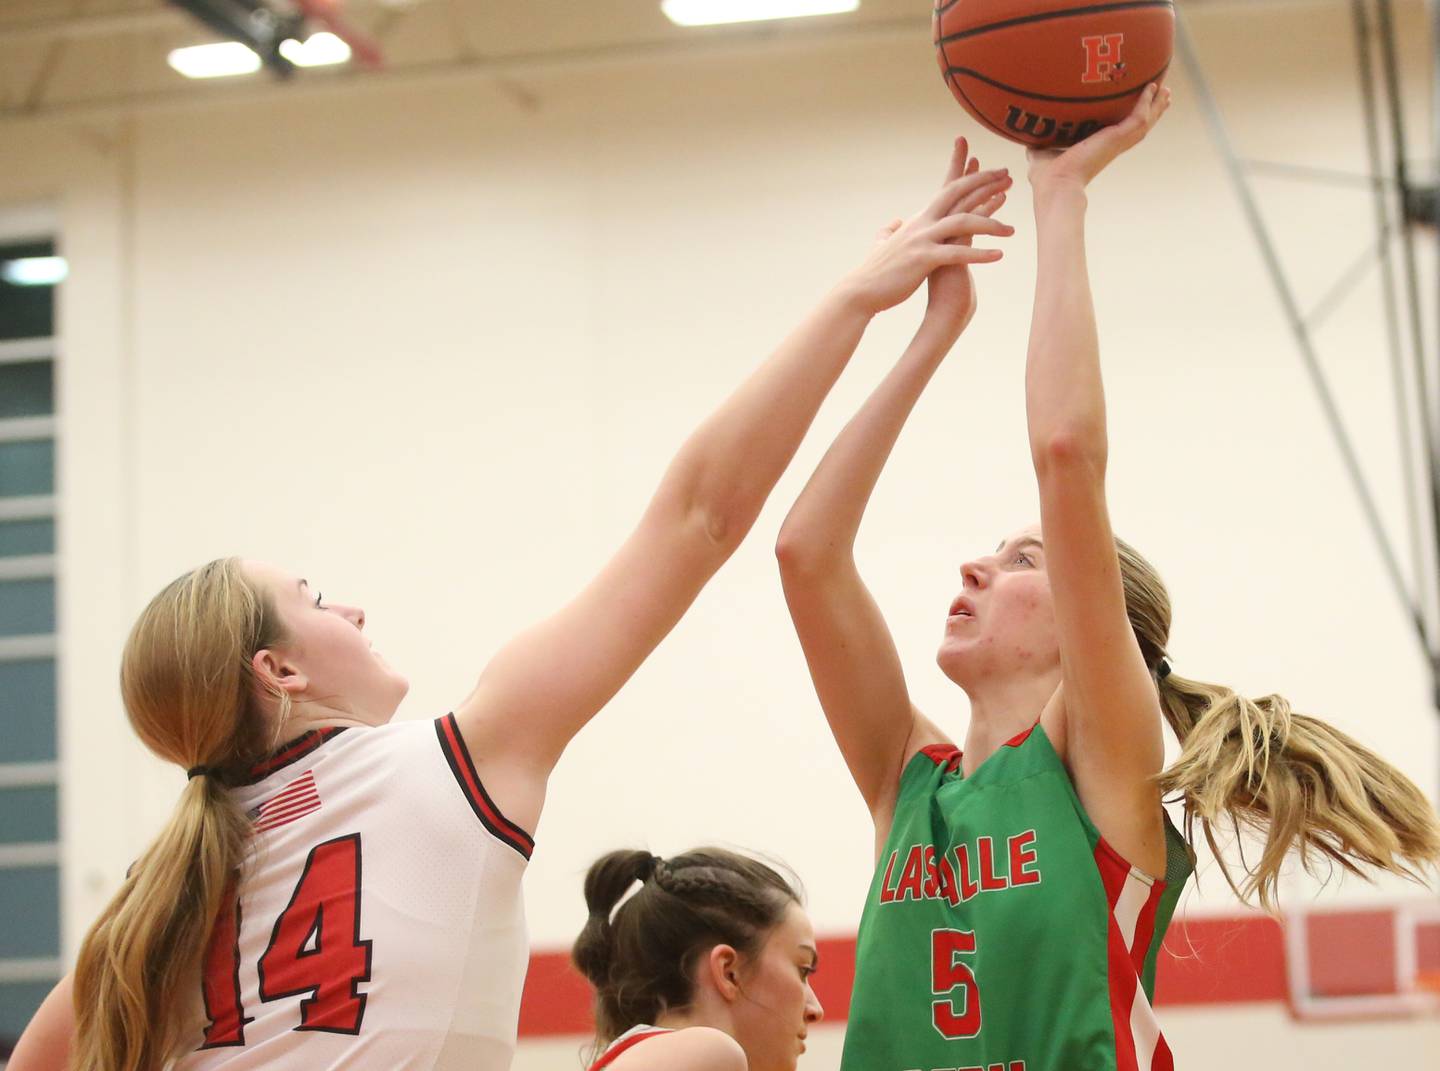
(1407, 248)
(1366, 70)
(1353, 275)
(1326, 175)
(1331, 412)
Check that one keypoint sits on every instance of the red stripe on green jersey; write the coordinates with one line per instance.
(1001, 932)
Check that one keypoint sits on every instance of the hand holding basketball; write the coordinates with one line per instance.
(908, 251)
(1049, 73)
(1077, 165)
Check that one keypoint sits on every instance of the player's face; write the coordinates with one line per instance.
(1002, 622)
(332, 663)
(777, 1007)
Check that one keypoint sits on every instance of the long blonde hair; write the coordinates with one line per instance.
(1302, 783)
(191, 695)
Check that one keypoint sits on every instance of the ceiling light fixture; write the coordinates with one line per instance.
(317, 50)
(219, 60)
(34, 271)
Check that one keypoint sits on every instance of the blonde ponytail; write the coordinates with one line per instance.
(139, 967)
(1301, 783)
(189, 691)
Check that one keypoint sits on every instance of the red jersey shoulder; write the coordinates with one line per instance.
(946, 756)
(624, 1043)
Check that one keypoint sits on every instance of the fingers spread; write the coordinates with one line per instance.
(990, 207)
(946, 255)
(1162, 105)
(967, 224)
(983, 194)
(1153, 103)
(1141, 110)
(953, 192)
(960, 162)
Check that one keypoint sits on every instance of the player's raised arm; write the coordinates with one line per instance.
(543, 686)
(848, 647)
(1112, 709)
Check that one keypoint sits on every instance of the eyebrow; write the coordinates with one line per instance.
(1023, 541)
(303, 584)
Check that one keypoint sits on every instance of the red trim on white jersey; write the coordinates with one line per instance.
(457, 755)
(625, 1042)
(388, 899)
(1132, 897)
(293, 751)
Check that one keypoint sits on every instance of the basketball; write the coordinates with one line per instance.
(1049, 73)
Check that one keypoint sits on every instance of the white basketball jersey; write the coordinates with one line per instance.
(379, 923)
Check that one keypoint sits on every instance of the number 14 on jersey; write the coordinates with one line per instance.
(315, 949)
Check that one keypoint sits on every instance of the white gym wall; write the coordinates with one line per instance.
(430, 341)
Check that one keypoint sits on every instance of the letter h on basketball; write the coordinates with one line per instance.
(1102, 57)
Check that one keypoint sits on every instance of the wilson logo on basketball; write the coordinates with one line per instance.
(1103, 61)
(1032, 129)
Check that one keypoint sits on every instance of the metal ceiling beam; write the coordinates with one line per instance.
(157, 17)
(139, 20)
(110, 24)
(746, 40)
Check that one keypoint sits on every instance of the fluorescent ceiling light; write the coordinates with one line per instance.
(317, 50)
(34, 271)
(713, 12)
(220, 60)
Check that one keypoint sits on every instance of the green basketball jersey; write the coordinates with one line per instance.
(1001, 932)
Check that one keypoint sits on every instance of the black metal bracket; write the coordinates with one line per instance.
(254, 23)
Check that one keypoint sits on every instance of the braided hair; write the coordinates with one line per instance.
(641, 957)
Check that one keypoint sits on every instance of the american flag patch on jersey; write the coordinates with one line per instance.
(297, 799)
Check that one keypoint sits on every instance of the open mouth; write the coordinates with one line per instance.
(962, 607)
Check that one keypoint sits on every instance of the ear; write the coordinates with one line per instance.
(273, 670)
(722, 971)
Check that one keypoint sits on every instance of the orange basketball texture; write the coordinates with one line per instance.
(1052, 72)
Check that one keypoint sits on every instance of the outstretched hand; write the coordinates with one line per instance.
(952, 299)
(1080, 163)
(940, 236)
